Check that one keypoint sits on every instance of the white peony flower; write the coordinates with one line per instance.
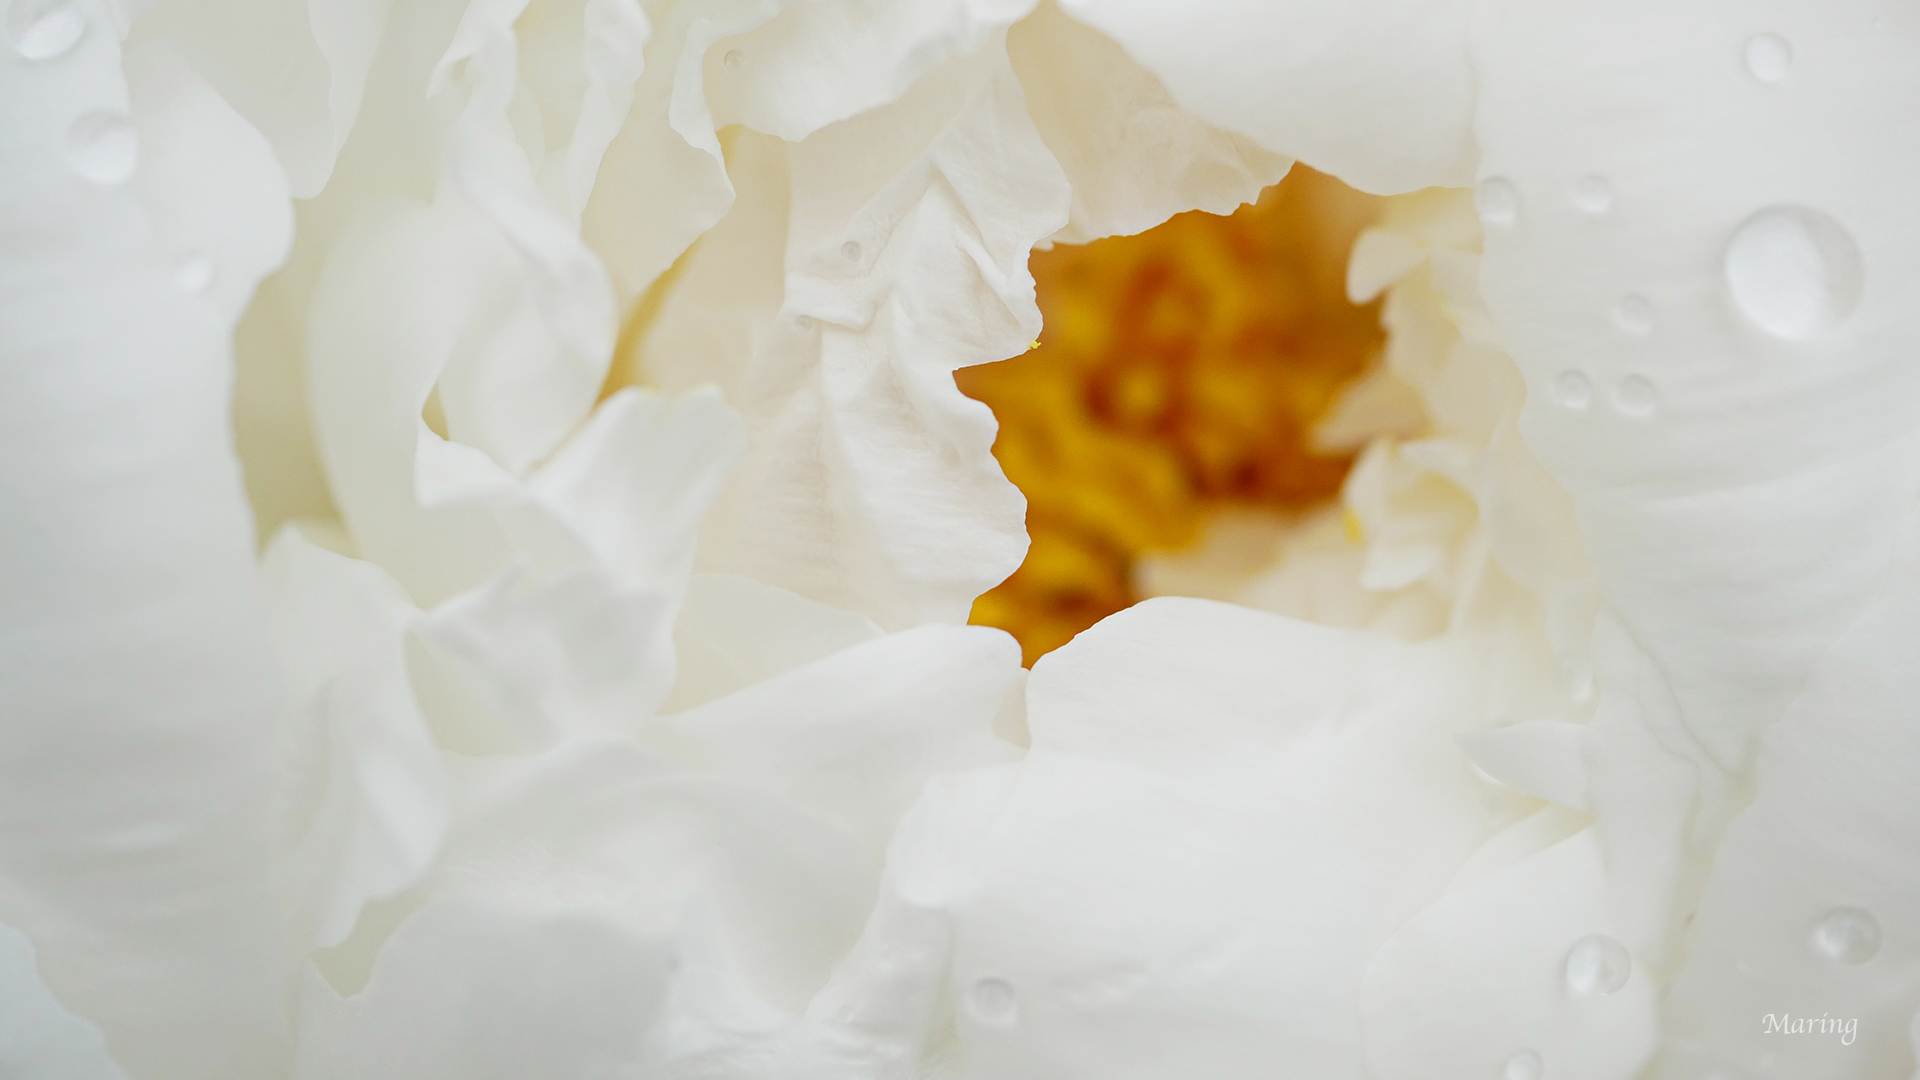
(490, 518)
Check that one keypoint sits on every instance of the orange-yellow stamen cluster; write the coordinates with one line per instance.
(1179, 372)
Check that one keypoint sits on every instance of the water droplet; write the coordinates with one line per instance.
(1633, 314)
(1850, 935)
(1794, 272)
(44, 29)
(1597, 964)
(1593, 194)
(103, 148)
(195, 274)
(1768, 57)
(993, 1001)
(1636, 397)
(850, 250)
(804, 322)
(1498, 201)
(1525, 1065)
(731, 58)
(1573, 390)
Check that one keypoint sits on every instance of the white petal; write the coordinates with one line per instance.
(1133, 157)
(217, 197)
(1813, 908)
(1223, 814)
(1541, 758)
(1485, 976)
(1378, 93)
(377, 808)
(39, 1038)
(769, 79)
(136, 763)
(474, 989)
(854, 737)
(733, 632)
(295, 69)
(870, 483)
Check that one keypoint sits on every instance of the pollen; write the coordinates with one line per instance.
(1182, 372)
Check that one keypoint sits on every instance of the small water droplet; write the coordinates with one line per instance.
(195, 274)
(1498, 201)
(804, 322)
(1636, 397)
(103, 148)
(731, 58)
(993, 1001)
(1593, 194)
(1525, 1065)
(44, 29)
(1597, 965)
(1768, 57)
(1573, 390)
(1794, 272)
(1850, 935)
(1633, 314)
(850, 250)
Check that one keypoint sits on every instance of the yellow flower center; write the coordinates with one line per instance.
(1179, 373)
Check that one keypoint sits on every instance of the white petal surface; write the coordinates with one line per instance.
(1488, 975)
(1378, 93)
(854, 737)
(135, 789)
(1739, 491)
(474, 989)
(215, 194)
(295, 69)
(373, 808)
(1813, 909)
(734, 632)
(1133, 157)
(1224, 813)
(39, 1038)
(869, 483)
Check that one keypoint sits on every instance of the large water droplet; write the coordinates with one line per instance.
(1525, 1065)
(1768, 57)
(1498, 202)
(103, 148)
(1633, 314)
(993, 1001)
(1636, 396)
(1794, 272)
(1573, 390)
(1593, 194)
(1850, 935)
(1597, 964)
(44, 29)
(731, 58)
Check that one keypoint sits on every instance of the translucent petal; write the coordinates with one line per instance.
(855, 736)
(1379, 94)
(375, 805)
(296, 69)
(908, 516)
(1133, 157)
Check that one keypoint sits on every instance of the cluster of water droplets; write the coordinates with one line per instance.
(1791, 272)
